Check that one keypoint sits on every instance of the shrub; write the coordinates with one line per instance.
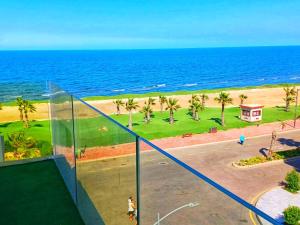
(292, 215)
(276, 156)
(293, 181)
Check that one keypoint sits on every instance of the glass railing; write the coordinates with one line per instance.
(24, 113)
(116, 171)
(106, 167)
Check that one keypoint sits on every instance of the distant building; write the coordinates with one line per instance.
(251, 112)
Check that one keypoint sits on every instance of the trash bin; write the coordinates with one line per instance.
(213, 130)
(1, 149)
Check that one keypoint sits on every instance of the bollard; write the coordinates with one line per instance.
(1, 149)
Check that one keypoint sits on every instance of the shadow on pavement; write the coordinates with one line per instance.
(288, 142)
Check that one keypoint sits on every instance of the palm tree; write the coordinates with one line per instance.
(20, 102)
(118, 104)
(290, 93)
(243, 98)
(162, 101)
(0, 106)
(172, 105)
(129, 106)
(204, 98)
(27, 108)
(198, 107)
(147, 110)
(193, 100)
(223, 99)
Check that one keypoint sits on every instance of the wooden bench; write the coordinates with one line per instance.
(187, 135)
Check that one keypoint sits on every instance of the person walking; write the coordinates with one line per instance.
(131, 208)
(242, 139)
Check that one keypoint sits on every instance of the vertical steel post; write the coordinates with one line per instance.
(137, 155)
(74, 149)
(2, 149)
(296, 106)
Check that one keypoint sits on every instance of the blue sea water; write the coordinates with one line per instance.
(112, 72)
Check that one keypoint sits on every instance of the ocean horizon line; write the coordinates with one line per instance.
(142, 49)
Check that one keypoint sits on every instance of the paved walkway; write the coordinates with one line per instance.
(232, 134)
(196, 139)
(276, 201)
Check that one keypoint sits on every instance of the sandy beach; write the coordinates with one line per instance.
(269, 97)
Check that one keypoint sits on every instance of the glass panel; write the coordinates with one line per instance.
(25, 133)
(171, 194)
(106, 169)
(63, 136)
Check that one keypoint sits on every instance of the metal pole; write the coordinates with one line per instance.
(74, 149)
(296, 106)
(138, 180)
(2, 149)
(158, 219)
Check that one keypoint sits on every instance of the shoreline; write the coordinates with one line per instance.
(165, 93)
(266, 95)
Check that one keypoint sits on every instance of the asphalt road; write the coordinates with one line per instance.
(165, 186)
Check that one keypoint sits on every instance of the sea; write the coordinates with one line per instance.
(115, 72)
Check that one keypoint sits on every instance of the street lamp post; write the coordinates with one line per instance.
(190, 205)
(296, 106)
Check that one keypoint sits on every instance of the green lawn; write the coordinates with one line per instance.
(35, 193)
(99, 131)
(159, 126)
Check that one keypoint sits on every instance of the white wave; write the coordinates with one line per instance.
(295, 78)
(160, 85)
(261, 79)
(118, 90)
(190, 85)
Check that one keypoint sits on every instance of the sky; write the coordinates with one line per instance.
(143, 24)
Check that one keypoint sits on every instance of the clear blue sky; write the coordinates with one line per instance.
(115, 24)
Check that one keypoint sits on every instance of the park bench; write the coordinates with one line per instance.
(187, 135)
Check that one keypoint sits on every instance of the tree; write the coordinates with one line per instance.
(129, 106)
(203, 98)
(147, 112)
(162, 101)
(198, 107)
(119, 103)
(223, 99)
(27, 108)
(192, 102)
(0, 106)
(273, 140)
(147, 109)
(290, 93)
(172, 105)
(243, 98)
(19, 102)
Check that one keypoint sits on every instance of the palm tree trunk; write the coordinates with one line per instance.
(148, 117)
(203, 103)
(118, 110)
(196, 116)
(287, 105)
(171, 117)
(161, 107)
(26, 121)
(194, 113)
(21, 116)
(130, 120)
(242, 101)
(222, 115)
